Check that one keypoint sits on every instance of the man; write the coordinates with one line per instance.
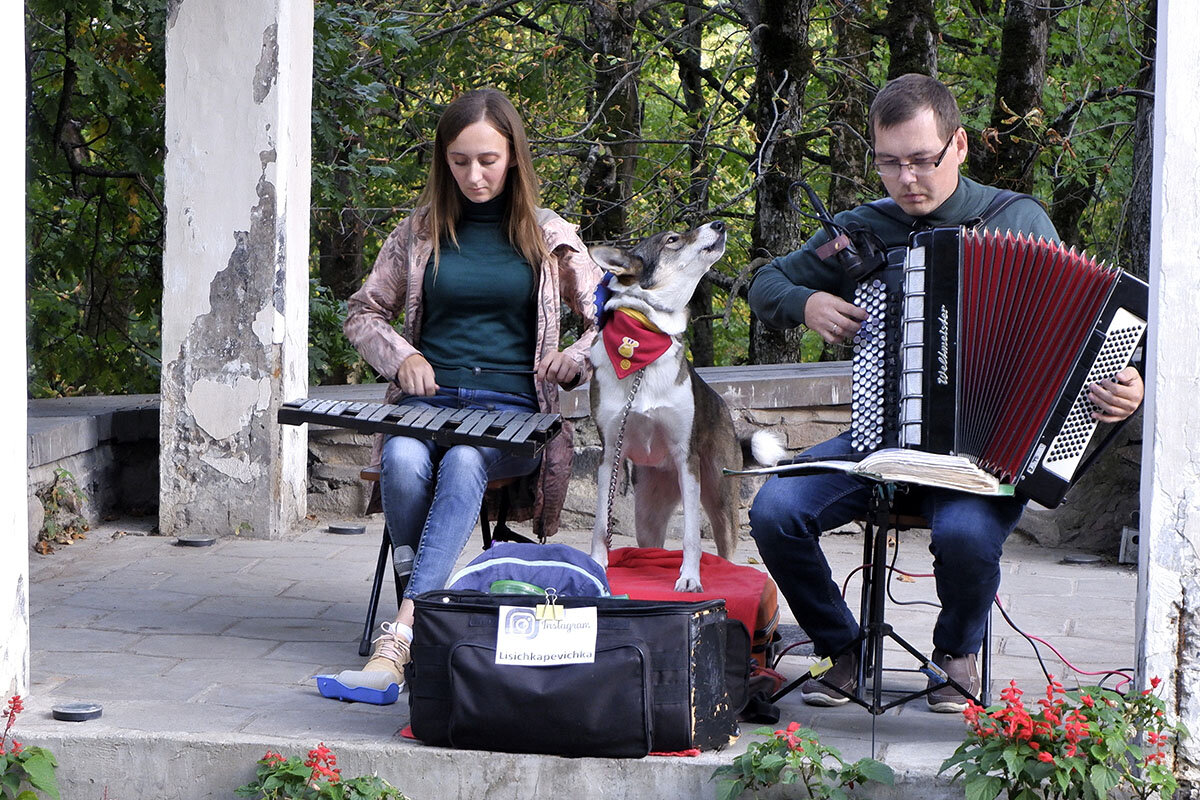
(919, 146)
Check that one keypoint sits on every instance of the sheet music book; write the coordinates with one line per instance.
(901, 465)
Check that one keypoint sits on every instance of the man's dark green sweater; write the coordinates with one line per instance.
(782, 287)
(480, 309)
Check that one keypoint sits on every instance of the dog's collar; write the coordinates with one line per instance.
(641, 318)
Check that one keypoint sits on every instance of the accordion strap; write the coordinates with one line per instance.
(1003, 199)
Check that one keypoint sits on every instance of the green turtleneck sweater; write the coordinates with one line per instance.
(479, 307)
(782, 287)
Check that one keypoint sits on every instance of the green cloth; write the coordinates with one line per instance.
(782, 287)
(480, 307)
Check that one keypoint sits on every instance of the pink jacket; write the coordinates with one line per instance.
(394, 288)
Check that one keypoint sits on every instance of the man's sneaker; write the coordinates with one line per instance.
(962, 670)
(843, 674)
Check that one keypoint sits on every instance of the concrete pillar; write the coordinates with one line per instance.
(14, 517)
(235, 270)
(1169, 558)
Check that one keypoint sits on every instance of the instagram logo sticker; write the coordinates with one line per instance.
(520, 622)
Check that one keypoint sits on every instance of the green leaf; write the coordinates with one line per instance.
(730, 790)
(876, 771)
(1103, 778)
(986, 789)
(39, 768)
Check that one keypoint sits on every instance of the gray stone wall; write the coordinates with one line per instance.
(110, 445)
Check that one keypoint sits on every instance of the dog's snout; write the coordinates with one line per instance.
(717, 225)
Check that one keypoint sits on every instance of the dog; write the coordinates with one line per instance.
(677, 432)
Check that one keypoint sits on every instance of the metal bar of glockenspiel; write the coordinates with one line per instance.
(465, 426)
(527, 428)
(482, 424)
(380, 412)
(510, 428)
(433, 426)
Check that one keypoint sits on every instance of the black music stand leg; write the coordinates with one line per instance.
(385, 547)
(485, 525)
(872, 629)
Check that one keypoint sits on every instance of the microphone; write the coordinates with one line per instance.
(843, 245)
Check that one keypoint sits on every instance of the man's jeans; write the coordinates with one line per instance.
(968, 533)
(432, 495)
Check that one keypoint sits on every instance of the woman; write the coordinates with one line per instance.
(478, 272)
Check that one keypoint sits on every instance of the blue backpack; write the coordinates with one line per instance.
(570, 572)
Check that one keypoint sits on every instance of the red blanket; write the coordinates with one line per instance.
(649, 573)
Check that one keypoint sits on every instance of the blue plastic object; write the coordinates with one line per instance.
(330, 686)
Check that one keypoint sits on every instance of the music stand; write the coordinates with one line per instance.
(874, 630)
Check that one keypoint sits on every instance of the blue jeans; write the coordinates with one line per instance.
(432, 494)
(967, 539)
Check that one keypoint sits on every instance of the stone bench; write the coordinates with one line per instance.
(110, 443)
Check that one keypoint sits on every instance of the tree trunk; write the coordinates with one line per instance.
(849, 99)
(1071, 199)
(607, 174)
(1011, 145)
(784, 64)
(911, 31)
(700, 306)
(340, 235)
(1135, 243)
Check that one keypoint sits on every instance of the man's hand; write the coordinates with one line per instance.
(1117, 397)
(559, 368)
(415, 376)
(832, 317)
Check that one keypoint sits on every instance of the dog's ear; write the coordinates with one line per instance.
(614, 260)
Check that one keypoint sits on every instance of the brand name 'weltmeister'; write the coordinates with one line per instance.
(943, 373)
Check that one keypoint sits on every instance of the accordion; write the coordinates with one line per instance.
(983, 345)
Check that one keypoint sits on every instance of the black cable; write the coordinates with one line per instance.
(892, 571)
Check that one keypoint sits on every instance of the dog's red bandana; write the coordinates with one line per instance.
(632, 341)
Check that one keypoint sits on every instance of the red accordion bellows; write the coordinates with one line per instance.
(1025, 309)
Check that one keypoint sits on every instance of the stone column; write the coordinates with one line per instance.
(235, 270)
(14, 519)
(1169, 557)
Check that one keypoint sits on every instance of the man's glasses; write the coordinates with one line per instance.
(919, 166)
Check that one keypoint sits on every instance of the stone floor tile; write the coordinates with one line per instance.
(58, 639)
(295, 630)
(117, 599)
(201, 646)
(205, 671)
(189, 621)
(257, 605)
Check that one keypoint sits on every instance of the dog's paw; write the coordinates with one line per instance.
(688, 584)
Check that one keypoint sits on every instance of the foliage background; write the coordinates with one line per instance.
(644, 115)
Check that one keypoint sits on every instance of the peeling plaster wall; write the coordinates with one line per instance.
(235, 273)
(14, 544)
(1169, 561)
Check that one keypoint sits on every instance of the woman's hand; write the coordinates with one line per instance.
(1117, 397)
(559, 368)
(832, 317)
(415, 376)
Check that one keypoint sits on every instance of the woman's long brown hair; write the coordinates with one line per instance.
(441, 194)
